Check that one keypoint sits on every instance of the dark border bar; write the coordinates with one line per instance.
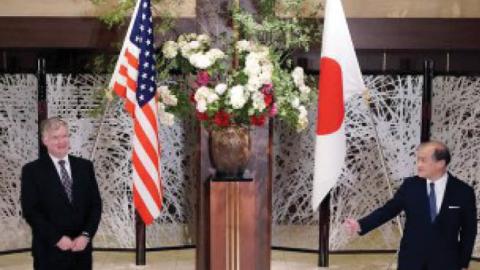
(367, 34)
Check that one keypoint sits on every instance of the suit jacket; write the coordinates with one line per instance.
(47, 209)
(445, 244)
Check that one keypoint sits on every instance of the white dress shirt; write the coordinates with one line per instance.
(440, 186)
(57, 166)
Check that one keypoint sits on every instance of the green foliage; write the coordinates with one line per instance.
(281, 35)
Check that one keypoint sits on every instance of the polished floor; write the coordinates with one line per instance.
(184, 260)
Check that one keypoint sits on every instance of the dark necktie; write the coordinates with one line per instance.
(433, 202)
(66, 180)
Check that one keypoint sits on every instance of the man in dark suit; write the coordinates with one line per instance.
(441, 215)
(61, 202)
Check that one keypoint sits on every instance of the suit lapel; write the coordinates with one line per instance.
(446, 198)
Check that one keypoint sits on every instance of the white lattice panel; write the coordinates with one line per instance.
(395, 114)
(18, 145)
(456, 121)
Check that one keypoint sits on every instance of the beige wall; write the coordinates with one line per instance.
(79, 8)
(412, 8)
(353, 8)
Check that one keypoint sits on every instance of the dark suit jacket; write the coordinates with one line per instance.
(47, 209)
(445, 244)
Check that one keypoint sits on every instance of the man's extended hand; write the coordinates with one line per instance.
(352, 225)
(65, 243)
(80, 243)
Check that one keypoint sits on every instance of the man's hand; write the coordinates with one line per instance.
(65, 243)
(80, 243)
(352, 225)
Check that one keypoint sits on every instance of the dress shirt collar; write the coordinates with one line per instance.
(56, 160)
(442, 181)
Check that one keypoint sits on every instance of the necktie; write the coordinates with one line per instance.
(66, 180)
(433, 202)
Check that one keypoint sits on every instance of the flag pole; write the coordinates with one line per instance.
(428, 69)
(367, 99)
(140, 241)
(100, 129)
(324, 232)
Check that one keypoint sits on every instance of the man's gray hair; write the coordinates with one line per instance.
(52, 123)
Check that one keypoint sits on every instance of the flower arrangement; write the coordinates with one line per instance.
(244, 85)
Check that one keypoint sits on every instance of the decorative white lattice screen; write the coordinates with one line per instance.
(394, 112)
(18, 145)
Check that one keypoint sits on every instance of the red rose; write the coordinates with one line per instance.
(267, 88)
(203, 78)
(192, 98)
(257, 120)
(222, 119)
(201, 116)
(268, 99)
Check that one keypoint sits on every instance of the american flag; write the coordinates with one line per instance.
(134, 80)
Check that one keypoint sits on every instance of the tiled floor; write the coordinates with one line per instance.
(184, 260)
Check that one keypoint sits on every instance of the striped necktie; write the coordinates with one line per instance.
(66, 179)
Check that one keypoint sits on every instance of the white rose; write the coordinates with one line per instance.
(194, 45)
(243, 45)
(237, 97)
(202, 105)
(258, 101)
(295, 102)
(212, 97)
(201, 93)
(167, 118)
(170, 49)
(265, 77)
(169, 99)
(253, 84)
(161, 107)
(166, 96)
(185, 49)
(302, 112)
(200, 60)
(305, 89)
(215, 54)
(252, 66)
(220, 88)
(298, 76)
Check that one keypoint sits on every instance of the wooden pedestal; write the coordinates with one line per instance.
(234, 216)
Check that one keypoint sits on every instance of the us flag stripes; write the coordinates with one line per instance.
(134, 81)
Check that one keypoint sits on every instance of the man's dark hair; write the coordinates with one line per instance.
(441, 152)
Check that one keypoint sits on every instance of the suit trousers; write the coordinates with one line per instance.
(63, 260)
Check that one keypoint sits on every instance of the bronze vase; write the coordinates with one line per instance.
(229, 150)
